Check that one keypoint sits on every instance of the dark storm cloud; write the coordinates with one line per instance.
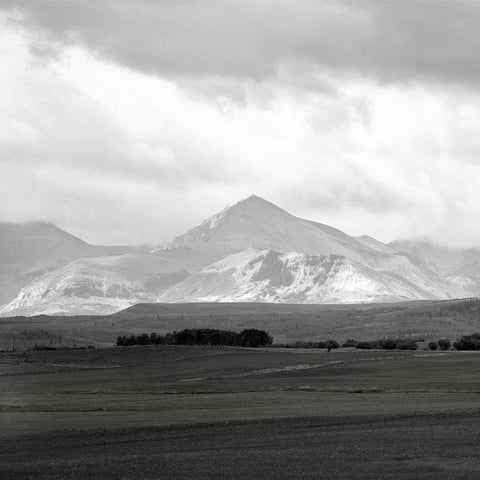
(395, 41)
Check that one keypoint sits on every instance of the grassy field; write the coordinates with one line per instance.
(286, 323)
(211, 412)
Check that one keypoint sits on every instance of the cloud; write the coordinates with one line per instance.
(391, 41)
(91, 140)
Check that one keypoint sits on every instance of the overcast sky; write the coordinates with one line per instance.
(129, 122)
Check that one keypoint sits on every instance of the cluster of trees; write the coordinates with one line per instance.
(250, 337)
(442, 344)
(48, 348)
(468, 342)
(328, 344)
(43, 347)
(385, 344)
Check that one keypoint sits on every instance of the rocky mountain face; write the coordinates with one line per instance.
(251, 252)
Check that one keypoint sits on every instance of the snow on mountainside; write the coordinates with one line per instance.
(252, 251)
(104, 284)
(467, 276)
(269, 276)
(31, 249)
(258, 224)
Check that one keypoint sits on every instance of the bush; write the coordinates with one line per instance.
(301, 344)
(468, 342)
(364, 345)
(407, 344)
(433, 345)
(444, 344)
(251, 337)
(43, 347)
(349, 343)
(331, 344)
(388, 344)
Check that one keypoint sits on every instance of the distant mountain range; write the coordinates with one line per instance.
(251, 252)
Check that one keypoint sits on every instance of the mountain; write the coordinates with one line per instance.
(437, 257)
(364, 268)
(102, 285)
(269, 276)
(29, 250)
(375, 244)
(259, 224)
(252, 251)
(460, 267)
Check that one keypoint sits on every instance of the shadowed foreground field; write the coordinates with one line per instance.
(209, 412)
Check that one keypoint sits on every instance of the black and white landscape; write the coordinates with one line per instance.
(239, 239)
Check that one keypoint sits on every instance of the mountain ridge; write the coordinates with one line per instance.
(30, 249)
(251, 251)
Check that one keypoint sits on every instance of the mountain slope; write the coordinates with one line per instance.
(269, 276)
(29, 250)
(375, 244)
(459, 267)
(439, 258)
(257, 223)
(104, 284)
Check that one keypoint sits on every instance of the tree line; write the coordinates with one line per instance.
(250, 337)
(384, 344)
(468, 342)
(253, 337)
(328, 344)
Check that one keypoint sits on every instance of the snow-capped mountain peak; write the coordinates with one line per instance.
(258, 223)
(250, 251)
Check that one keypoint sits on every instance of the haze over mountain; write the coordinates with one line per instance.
(29, 250)
(459, 266)
(252, 251)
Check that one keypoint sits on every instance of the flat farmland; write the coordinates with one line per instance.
(218, 412)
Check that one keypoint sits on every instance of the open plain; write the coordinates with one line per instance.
(217, 412)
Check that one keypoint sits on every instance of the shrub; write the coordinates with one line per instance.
(468, 342)
(407, 344)
(251, 337)
(432, 345)
(364, 345)
(388, 344)
(332, 344)
(43, 347)
(444, 344)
